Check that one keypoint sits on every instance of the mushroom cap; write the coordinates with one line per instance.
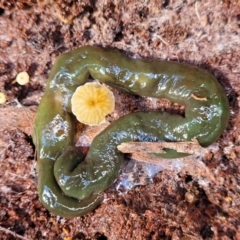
(22, 78)
(2, 98)
(91, 103)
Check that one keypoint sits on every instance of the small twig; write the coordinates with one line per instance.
(197, 12)
(161, 39)
(12, 233)
(158, 147)
(144, 157)
(202, 19)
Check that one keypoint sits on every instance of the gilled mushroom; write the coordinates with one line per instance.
(91, 103)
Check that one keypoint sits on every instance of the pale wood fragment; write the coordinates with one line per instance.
(158, 147)
(144, 157)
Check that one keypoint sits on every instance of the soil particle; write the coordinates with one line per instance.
(176, 205)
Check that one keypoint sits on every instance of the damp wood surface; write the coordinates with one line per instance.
(199, 201)
(158, 147)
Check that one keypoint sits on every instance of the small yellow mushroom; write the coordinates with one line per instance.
(91, 103)
(22, 78)
(2, 98)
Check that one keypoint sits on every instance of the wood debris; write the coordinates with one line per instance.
(158, 147)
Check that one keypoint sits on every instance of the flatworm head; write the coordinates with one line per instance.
(91, 103)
